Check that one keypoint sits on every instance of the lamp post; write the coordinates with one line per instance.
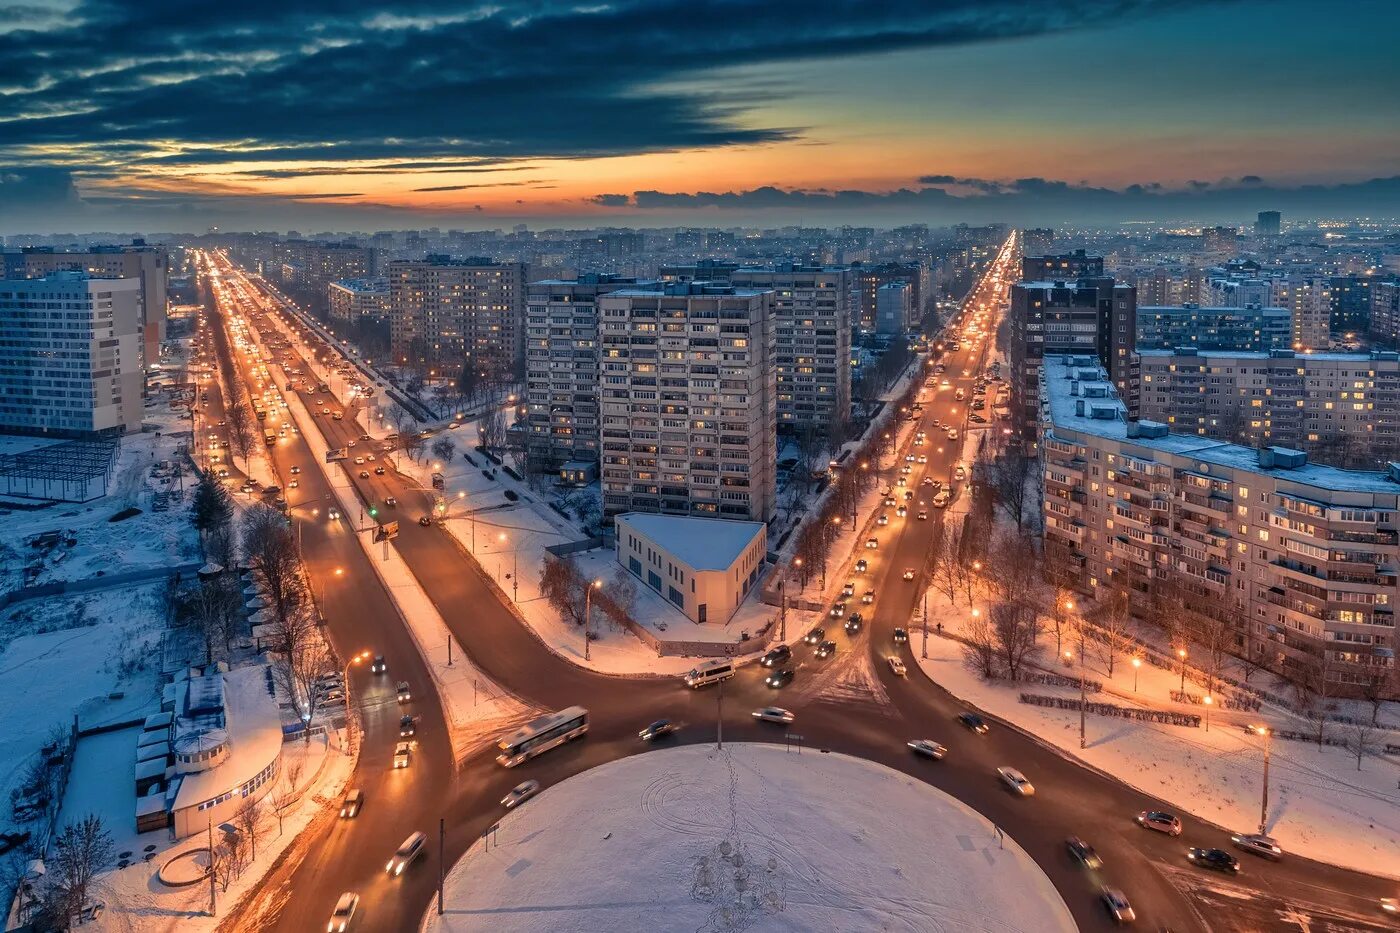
(349, 719)
(1209, 702)
(587, 615)
(1181, 653)
(1268, 735)
(1137, 666)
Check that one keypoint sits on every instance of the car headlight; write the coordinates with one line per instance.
(389, 866)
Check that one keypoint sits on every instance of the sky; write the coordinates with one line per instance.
(332, 114)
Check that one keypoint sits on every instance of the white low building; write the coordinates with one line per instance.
(226, 746)
(702, 566)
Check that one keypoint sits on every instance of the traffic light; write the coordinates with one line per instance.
(373, 511)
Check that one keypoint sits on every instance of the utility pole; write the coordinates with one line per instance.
(719, 716)
(925, 651)
(782, 615)
(1264, 804)
(442, 859)
(1083, 699)
(213, 896)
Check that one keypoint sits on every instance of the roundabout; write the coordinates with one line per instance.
(751, 837)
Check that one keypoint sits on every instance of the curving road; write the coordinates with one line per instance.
(851, 703)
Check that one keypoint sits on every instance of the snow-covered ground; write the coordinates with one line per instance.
(1320, 805)
(751, 837)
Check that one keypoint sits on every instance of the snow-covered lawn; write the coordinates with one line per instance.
(751, 837)
(1320, 805)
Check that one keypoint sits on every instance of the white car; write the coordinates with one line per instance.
(908, 573)
(928, 748)
(402, 752)
(897, 667)
(1016, 781)
(344, 913)
(774, 714)
(410, 849)
(941, 500)
(519, 794)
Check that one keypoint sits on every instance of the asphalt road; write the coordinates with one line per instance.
(851, 703)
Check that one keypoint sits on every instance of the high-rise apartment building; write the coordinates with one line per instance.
(448, 312)
(1350, 314)
(689, 415)
(151, 265)
(1229, 328)
(892, 309)
(1039, 267)
(1298, 559)
(1309, 297)
(1088, 316)
(561, 367)
(1344, 408)
(352, 300)
(866, 280)
(1038, 241)
(1268, 223)
(1224, 240)
(309, 265)
(71, 357)
(812, 344)
(1384, 323)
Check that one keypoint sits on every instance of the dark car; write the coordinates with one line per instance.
(780, 678)
(378, 666)
(776, 656)
(826, 649)
(900, 636)
(408, 726)
(853, 623)
(973, 722)
(425, 520)
(815, 636)
(657, 730)
(1214, 859)
(1083, 853)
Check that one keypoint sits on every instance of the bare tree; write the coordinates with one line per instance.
(1011, 569)
(493, 429)
(980, 645)
(1008, 477)
(271, 549)
(284, 795)
(214, 605)
(1212, 637)
(810, 451)
(946, 570)
(1113, 622)
(81, 850)
(249, 820)
(299, 671)
(564, 588)
(1312, 690)
(1360, 739)
(1016, 627)
(622, 592)
(443, 448)
(1377, 686)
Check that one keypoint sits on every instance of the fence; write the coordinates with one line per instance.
(1121, 712)
(1050, 679)
(1225, 701)
(110, 581)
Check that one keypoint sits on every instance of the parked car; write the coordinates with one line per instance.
(352, 802)
(1214, 859)
(928, 748)
(1160, 821)
(1083, 853)
(520, 793)
(973, 722)
(774, 714)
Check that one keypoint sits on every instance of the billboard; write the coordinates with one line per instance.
(337, 453)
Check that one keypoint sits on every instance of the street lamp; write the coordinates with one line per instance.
(588, 614)
(1137, 666)
(1181, 653)
(1209, 702)
(355, 659)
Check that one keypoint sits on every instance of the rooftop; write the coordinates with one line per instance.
(700, 543)
(254, 732)
(1369, 356)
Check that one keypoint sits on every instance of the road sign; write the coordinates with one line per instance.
(337, 453)
(387, 531)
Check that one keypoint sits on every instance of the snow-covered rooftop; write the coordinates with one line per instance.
(700, 543)
(255, 737)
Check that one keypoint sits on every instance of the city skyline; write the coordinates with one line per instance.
(476, 117)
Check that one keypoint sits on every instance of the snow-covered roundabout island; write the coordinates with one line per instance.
(749, 838)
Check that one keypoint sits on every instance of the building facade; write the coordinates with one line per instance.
(689, 424)
(561, 367)
(1344, 408)
(1268, 223)
(71, 358)
(892, 308)
(1037, 241)
(705, 567)
(1384, 323)
(352, 300)
(867, 280)
(450, 312)
(1298, 559)
(1229, 328)
(1039, 267)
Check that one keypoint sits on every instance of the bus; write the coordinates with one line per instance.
(540, 735)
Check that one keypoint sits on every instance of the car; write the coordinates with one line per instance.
(325, 411)
(852, 625)
(379, 471)
(391, 502)
(901, 636)
(520, 793)
(897, 666)
(1258, 844)
(927, 748)
(1390, 905)
(909, 458)
(1016, 781)
(826, 649)
(425, 520)
(364, 474)
(1116, 904)
(973, 722)
(923, 515)
(779, 678)
(408, 726)
(849, 589)
(906, 470)
(952, 434)
(868, 597)
(908, 573)
(901, 481)
(370, 457)
(1214, 859)
(960, 473)
(928, 481)
(889, 499)
(776, 656)
(872, 543)
(815, 636)
(884, 519)
(294, 484)
(862, 566)
(908, 495)
(923, 458)
(405, 694)
(774, 714)
(902, 511)
(406, 853)
(1083, 853)
(359, 460)
(344, 913)
(333, 514)
(941, 500)
(838, 610)
(378, 665)
(1160, 821)
(332, 694)
(352, 802)
(658, 730)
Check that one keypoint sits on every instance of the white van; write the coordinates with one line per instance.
(711, 672)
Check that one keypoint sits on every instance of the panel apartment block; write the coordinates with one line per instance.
(447, 312)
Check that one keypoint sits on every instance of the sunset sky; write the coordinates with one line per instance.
(328, 114)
